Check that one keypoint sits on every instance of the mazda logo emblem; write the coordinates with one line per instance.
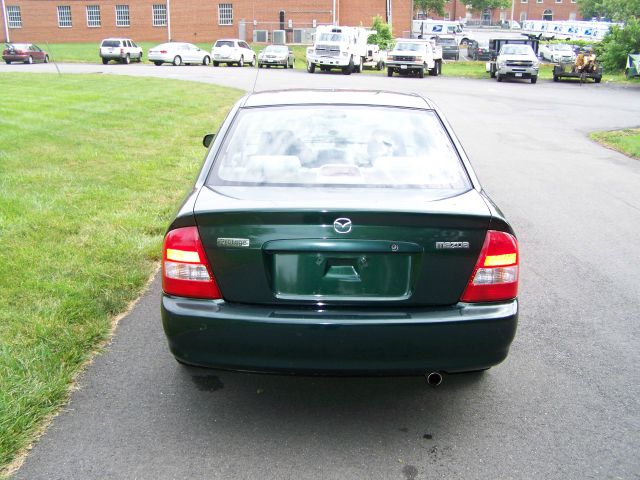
(342, 225)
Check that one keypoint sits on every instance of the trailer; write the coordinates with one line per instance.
(569, 70)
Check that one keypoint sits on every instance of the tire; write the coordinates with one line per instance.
(206, 60)
(127, 59)
(157, 64)
(311, 67)
(597, 79)
(46, 59)
(627, 74)
(268, 66)
(389, 72)
(241, 62)
(215, 64)
(259, 65)
(177, 61)
(29, 60)
(8, 62)
(421, 73)
(349, 68)
(555, 78)
(457, 57)
(498, 77)
(293, 64)
(534, 79)
(105, 61)
(492, 74)
(253, 62)
(140, 58)
(286, 65)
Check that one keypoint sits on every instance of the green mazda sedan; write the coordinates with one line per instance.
(339, 233)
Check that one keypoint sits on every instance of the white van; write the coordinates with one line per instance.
(428, 28)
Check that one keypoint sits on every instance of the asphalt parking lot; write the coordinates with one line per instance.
(564, 405)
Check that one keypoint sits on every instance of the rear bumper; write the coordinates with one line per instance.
(338, 342)
(15, 58)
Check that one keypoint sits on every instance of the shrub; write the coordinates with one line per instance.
(618, 43)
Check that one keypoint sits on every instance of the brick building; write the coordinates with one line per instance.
(521, 10)
(57, 21)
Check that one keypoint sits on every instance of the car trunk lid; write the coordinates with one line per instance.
(274, 245)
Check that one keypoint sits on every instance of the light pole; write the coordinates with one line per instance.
(168, 20)
(6, 22)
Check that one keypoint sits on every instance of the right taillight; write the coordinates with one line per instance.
(495, 276)
(185, 270)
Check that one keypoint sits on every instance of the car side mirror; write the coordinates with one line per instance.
(208, 139)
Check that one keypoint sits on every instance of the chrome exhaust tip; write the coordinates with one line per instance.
(434, 378)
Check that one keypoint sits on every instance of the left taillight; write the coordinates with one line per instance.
(185, 269)
(495, 276)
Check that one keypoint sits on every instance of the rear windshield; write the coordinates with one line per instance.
(222, 43)
(111, 43)
(382, 147)
(448, 41)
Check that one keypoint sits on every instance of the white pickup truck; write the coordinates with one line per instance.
(413, 56)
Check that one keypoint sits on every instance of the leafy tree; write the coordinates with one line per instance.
(434, 6)
(618, 10)
(383, 38)
(480, 5)
(618, 43)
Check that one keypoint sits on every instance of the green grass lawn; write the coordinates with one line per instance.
(90, 175)
(625, 141)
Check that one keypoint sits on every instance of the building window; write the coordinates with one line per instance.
(93, 16)
(64, 16)
(447, 16)
(572, 16)
(523, 16)
(547, 15)
(538, 1)
(573, 1)
(558, 1)
(13, 16)
(524, 1)
(122, 15)
(225, 14)
(159, 15)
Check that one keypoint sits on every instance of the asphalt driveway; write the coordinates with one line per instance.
(564, 405)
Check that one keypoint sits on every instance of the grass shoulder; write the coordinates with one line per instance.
(625, 141)
(83, 208)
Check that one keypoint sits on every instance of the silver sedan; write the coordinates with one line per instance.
(280, 55)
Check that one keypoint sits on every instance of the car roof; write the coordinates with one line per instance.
(333, 97)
